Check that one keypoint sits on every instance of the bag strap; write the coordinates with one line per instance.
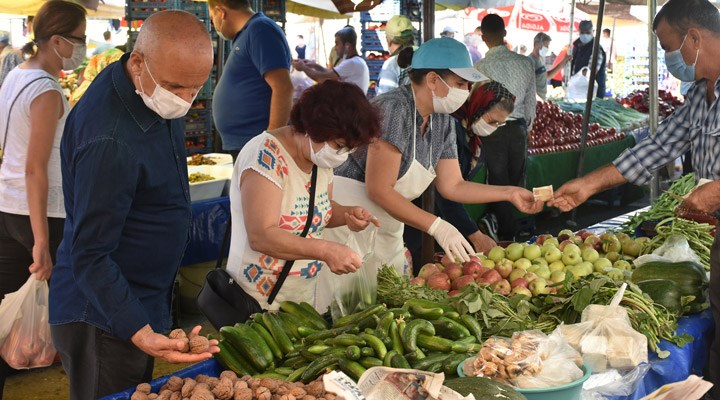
(289, 263)
(225, 243)
(7, 124)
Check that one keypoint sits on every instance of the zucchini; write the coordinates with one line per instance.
(305, 313)
(395, 338)
(352, 368)
(690, 278)
(664, 292)
(413, 329)
(354, 318)
(296, 374)
(304, 331)
(425, 312)
(435, 343)
(267, 337)
(483, 388)
(426, 362)
(388, 358)
(450, 329)
(272, 321)
(347, 339)
(427, 304)
(318, 366)
(250, 345)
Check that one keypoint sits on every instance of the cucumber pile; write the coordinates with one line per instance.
(297, 344)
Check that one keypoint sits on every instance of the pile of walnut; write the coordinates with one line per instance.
(194, 343)
(503, 360)
(229, 387)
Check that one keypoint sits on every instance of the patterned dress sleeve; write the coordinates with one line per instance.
(267, 159)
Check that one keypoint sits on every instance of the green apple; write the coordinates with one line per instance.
(522, 263)
(571, 248)
(586, 266)
(590, 255)
(543, 272)
(488, 263)
(552, 241)
(514, 251)
(643, 240)
(530, 276)
(532, 252)
(557, 276)
(521, 290)
(497, 253)
(622, 237)
(610, 242)
(579, 271)
(556, 266)
(622, 264)
(516, 273)
(532, 268)
(545, 247)
(538, 286)
(612, 256)
(631, 248)
(540, 261)
(571, 258)
(602, 265)
(553, 254)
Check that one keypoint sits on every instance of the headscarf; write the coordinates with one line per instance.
(483, 97)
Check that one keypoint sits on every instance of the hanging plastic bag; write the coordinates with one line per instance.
(605, 337)
(578, 85)
(675, 249)
(357, 291)
(300, 82)
(24, 327)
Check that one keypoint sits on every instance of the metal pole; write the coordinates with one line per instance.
(653, 87)
(612, 43)
(592, 89)
(428, 198)
(567, 70)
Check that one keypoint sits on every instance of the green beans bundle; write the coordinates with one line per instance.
(697, 235)
(664, 206)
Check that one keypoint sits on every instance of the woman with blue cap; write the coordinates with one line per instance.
(417, 147)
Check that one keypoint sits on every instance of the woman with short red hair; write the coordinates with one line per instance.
(269, 194)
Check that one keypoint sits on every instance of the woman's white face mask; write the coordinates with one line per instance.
(482, 128)
(455, 98)
(328, 157)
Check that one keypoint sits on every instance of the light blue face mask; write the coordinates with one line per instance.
(585, 38)
(676, 64)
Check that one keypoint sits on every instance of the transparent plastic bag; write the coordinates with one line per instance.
(357, 291)
(24, 327)
(605, 337)
(675, 249)
(613, 383)
(300, 82)
(530, 359)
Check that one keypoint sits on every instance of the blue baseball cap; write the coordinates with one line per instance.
(446, 53)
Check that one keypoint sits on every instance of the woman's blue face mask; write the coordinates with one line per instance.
(676, 64)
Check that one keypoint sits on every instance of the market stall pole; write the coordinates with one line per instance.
(428, 198)
(590, 97)
(653, 101)
(567, 70)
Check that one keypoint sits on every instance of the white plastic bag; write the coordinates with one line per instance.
(675, 249)
(357, 291)
(578, 85)
(24, 326)
(300, 82)
(612, 383)
(605, 337)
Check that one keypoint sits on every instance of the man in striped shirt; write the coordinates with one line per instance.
(689, 32)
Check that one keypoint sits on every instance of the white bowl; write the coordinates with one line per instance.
(212, 188)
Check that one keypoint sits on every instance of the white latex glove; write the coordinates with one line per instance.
(451, 240)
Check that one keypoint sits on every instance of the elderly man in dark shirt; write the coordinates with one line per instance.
(128, 210)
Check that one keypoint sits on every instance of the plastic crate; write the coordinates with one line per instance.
(143, 9)
(198, 121)
(371, 41)
(274, 9)
(374, 66)
(198, 8)
(210, 368)
(206, 92)
(199, 144)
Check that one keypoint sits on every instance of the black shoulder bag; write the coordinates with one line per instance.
(222, 300)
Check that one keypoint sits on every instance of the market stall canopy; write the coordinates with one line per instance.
(621, 12)
(329, 9)
(96, 8)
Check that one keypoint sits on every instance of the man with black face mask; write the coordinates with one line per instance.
(582, 53)
(689, 31)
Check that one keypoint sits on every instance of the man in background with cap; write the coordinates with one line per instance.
(9, 57)
(448, 31)
(400, 34)
(581, 56)
(506, 149)
(353, 68)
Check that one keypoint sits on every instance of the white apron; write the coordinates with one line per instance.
(389, 247)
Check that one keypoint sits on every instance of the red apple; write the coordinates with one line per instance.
(489, 278)
(504, 267)
(462, 281)
(502, 287)
(427, 270)
(439, 280)
(418, 281)
(446, 260)
(453, 270)
(564, 243)
(453, 292)
(472, 268)
(519, 282)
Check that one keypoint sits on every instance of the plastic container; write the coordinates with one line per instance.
(213, 188)
(568, 391)
(221, 159)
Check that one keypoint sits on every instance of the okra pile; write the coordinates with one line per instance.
(297, 344)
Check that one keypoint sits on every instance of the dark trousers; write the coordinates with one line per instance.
(505, 156)
(713, 374)
(16, 243)
(98, 364)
